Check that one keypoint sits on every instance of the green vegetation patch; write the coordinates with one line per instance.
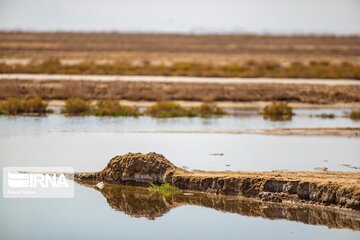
(169, 110)
(166, 189)
(15, 106)
(172, 109)
(355, 115)
(278, 111)
(208, 109)
(315, 69)
(77, 107)
(114, 108)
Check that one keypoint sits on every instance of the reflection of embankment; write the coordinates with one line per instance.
(140, 202)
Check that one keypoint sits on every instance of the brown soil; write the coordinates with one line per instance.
(340, 189)
(155, 91)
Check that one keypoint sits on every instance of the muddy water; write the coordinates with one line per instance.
(88, 143)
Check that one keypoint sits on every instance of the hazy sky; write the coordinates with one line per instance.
(258, 16)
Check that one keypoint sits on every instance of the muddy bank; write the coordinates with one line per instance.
(155, 91)
(341, 189)
(140, 202)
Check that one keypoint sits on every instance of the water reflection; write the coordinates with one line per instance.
(278, 118)
(140, 202)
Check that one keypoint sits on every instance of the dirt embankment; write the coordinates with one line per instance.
(340, 189)
(155, 91)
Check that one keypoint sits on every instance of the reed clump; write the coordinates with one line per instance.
(77, 107)
(169, 110)
(173, 109)
(355, 115)
(16, 106)
(208, 109)
(278, 111)
(115, 109)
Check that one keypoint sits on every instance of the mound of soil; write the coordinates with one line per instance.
(134, 169)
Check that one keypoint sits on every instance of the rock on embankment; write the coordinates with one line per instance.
(323, 188)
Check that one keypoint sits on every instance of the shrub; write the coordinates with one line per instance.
(15, 106)
(165, 188)
(77, 106)
(355, 115)
(208, 109)
(169, 110)
(277, 111)
(113, 108)
(51, 65)
(35, 105)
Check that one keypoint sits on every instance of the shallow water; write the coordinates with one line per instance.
(88, 143)
(135, 214)
(238, 120)
(90, 151)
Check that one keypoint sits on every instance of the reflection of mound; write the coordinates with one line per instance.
(139, 202)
